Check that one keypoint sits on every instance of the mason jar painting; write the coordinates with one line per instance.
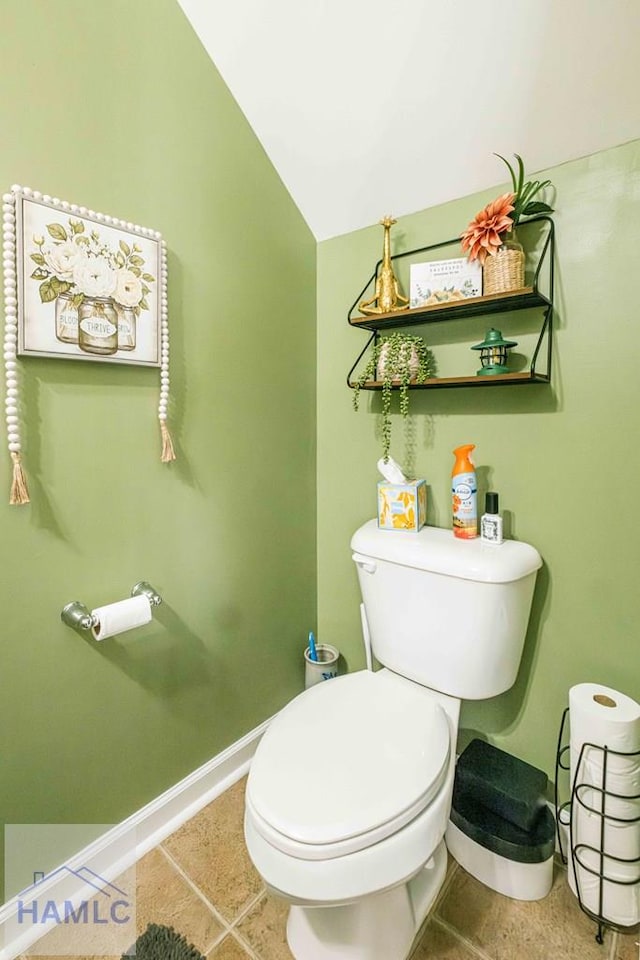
(66, 319)
(98, 325)
(89, 286)
(126, 328)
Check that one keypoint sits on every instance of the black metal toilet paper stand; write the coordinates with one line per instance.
(577, 851)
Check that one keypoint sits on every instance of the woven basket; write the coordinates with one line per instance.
(504, 270)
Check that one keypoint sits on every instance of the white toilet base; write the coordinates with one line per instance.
(381, 926)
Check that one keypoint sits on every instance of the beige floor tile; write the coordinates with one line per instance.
(164, 897)
(503, 928)
(627, 946)
(437, 943)
(264, 929)
(229, 949)
(90, 937)
(210, 849)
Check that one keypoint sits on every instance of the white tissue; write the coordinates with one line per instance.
(117, 617)
(594, 720)
(391, 471)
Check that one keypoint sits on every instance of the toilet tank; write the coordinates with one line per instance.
(450, 614)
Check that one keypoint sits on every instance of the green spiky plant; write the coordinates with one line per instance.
(524, 191)
(398, 350)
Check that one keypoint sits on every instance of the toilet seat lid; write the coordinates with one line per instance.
(352, 758)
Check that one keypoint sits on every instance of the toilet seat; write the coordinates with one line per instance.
(347, 764)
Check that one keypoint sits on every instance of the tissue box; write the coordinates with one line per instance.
(402, 506)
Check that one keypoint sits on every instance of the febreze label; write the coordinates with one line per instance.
(465, 505)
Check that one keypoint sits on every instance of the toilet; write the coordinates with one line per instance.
(349, 792)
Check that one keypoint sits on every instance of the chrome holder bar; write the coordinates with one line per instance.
(145, 589)
(77, 616)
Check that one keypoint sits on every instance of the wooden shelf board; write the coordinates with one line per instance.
(471, 306)
(488, 381)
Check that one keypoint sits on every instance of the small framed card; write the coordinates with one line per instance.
(441, 281)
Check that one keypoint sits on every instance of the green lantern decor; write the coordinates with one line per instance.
(493, 353)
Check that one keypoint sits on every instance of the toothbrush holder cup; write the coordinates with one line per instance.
(324, 668)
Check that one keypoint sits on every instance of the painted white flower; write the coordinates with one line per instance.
(61, 259)
(94, 277)
(128, 290)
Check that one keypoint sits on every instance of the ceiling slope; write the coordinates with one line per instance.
(367, 107)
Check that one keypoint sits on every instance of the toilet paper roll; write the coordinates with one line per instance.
(604, 717)
(117, 617)
(619, 901)
(599, 717)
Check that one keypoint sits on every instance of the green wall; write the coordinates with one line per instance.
(565, 457)
(117, 107)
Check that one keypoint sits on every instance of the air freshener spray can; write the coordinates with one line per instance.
(464, 491)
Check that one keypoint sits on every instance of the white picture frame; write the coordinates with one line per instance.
(89, 286)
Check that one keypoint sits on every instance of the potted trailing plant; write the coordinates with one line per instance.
(397, 360)
(491, 235)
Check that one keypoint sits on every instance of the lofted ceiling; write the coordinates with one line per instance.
(368, 106)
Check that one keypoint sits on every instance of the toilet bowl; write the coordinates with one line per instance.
(349, 792)
(347, 800)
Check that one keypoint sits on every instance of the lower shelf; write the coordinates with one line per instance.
(434, 383)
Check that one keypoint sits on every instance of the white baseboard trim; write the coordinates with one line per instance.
(122, 846)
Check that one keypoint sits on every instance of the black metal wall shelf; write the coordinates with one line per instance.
(528, 297)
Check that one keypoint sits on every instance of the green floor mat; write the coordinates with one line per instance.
(162, 943)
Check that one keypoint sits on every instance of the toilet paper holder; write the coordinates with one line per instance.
(76, 615)
(576, 850)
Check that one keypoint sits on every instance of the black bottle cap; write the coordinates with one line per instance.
(491, 503)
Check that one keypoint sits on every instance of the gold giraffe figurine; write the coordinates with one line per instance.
(387, 297)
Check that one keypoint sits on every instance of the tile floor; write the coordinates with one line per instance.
(201, 882)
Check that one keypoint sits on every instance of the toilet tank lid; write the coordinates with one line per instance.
(439, 551)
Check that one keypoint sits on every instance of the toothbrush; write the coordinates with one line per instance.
(313, 653)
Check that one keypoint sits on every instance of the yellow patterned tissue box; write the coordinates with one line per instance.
(402, 506)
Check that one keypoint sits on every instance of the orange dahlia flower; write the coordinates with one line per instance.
(482, 236)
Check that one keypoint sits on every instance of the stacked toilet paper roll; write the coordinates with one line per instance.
(607, 824)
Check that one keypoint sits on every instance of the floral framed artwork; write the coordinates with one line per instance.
(79, 285)
(89, 285)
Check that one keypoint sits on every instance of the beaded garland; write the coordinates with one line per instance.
(19, 492)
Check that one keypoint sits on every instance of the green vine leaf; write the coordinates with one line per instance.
(38, 258)
(126, 249)
(406, 359)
